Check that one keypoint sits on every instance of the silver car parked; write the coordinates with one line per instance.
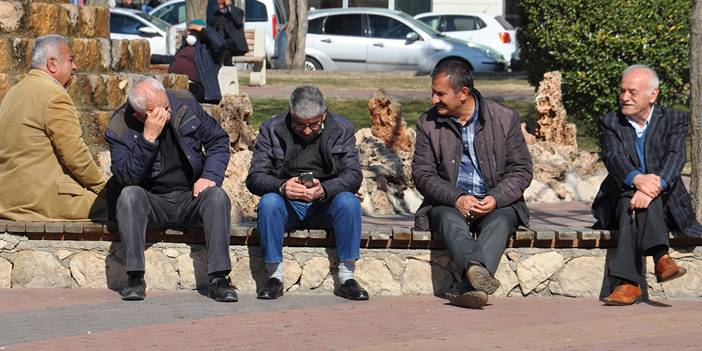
(374, 39)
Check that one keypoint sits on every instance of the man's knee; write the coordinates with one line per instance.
(347, 202)
(130, 197)
(270, 203)
(216, 196)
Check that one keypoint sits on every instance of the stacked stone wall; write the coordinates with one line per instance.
(106, 67)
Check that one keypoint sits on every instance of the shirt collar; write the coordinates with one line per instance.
(474, 117)
(636, 125)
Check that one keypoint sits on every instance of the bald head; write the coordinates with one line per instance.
(146, 94)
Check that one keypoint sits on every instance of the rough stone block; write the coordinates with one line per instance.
(91, 90)
(43, 19)
(67, 20)
(74, 89)
(175, 81)
(90, 135)
(94, 22)
(11, 16)
(102, 119)
(22, 53)
(119, 54)
(116, 91)
(87, 54)
(39, 269)
(5, 55)
(140, 55)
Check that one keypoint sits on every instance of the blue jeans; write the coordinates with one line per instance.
(276, 214)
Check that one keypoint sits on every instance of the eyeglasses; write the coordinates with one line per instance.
(312, 126)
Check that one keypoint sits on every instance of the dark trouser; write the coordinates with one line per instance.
(493, 231)
(138, 209)
(641, 234)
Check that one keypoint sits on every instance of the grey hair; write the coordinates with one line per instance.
(141, 89)
(307, 102)
(45, 47)
(652, 82)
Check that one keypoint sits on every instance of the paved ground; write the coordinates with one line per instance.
(95, 319)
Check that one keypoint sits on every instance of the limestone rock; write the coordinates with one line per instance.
(68, 20)
(5, 273)
(171, 252)
(314, 272)
(11, 14)
(535, 269)
(581, 277)
(395, 264)
(104, 162)
(249, 273)
(413, 199)
(244, 203)
(292, 274)
(39, 269)
(192, 269)
(139, 54)
(159, 272)
(175, 81)
(687, 285)
(22, 54)
(94, 22)
(5, 55)
(375, 277)
(42, 18)
(120, 55)
(63, 254)
(551, 123)
(387, 122)
(88, 269)
(422, 278)
(233, 115)
(528, 137)
(506, 276)
(5, 84)
(539, 192)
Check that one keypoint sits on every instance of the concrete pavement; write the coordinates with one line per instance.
(91, 319)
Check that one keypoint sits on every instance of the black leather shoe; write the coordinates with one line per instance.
(272, 290)
(351, 290)
(220, 290)
(135, 289)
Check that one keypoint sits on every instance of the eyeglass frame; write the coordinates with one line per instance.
(312, 126)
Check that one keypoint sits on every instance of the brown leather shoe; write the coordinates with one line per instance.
(667, 269)
(624, 294)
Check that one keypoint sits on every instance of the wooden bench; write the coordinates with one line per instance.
(372, 236)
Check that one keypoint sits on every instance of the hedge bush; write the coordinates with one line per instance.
(592, 41)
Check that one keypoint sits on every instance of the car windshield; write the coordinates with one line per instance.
(423, 26)
(161, 24)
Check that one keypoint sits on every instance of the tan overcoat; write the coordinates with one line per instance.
(46, 171)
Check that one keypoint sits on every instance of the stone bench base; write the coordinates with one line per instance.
(523, 271)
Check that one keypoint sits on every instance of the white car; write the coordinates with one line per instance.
(377, 39)
(481, 28)
(267, 15)
(134, 24)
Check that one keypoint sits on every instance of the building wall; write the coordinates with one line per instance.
(495, 7)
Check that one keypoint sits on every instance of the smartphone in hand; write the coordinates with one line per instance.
(306, 178)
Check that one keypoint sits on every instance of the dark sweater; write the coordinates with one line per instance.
(176, 174)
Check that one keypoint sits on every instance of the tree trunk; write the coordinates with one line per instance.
(297, 33)
(696, 105)
(195, 9)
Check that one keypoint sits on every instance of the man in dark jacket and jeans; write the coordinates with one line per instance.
(472, 165)
(228, 21)
(163, 178)
(306, 170)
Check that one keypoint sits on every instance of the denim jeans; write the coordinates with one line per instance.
(276, 214)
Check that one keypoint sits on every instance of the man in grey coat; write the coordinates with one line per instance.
(472, 165)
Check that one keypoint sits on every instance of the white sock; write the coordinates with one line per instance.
(275, 270)
(346, 269)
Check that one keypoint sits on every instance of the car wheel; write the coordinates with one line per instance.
(312, 64)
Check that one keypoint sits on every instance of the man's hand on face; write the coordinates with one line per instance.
(465, 204)
(200, 186)
(154, 123)
(483, 207)
(649, 184)
(640, 201)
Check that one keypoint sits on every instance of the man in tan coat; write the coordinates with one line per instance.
(46, 171)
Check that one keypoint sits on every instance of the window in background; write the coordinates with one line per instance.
(325, 4)
(413, 7)
(344, 25)
(368, 3)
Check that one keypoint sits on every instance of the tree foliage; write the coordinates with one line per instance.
(591, 42)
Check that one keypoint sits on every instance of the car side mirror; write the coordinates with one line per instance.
(149, 31)
(412, 37)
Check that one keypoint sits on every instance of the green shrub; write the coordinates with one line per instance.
(592, 41)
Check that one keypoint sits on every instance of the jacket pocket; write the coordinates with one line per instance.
(69, 188)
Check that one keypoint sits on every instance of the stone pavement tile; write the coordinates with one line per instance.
(407, 323)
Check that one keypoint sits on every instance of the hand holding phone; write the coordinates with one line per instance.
(307, 178)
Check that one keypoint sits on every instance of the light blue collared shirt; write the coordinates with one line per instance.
(640, 149)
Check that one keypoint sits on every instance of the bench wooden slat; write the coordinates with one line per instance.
(174, 232)
(93, 228)
(588, 233)
(240, 230)
(53, 227)
(381, 233)
(524, 235)
(421, 235)
(366, 230)
(317, 233)
(300, 234)
(73, 227)
(16, 227)
(34, 227)
(566, 233)
(247, 58)
(3, 225)
(401, 233)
